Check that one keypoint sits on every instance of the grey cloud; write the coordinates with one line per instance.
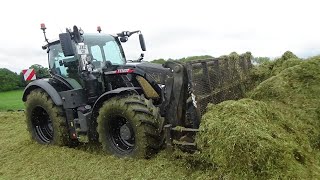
(18, 58)
(164, 36)
(308, 52)
(22, 52)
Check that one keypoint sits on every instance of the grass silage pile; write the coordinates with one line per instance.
(274, 132)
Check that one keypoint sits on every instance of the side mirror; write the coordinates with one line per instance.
(66, 44)
(142, 43)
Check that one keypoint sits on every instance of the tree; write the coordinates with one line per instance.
(193, 58)
(41, 72)
(22, 82)
(158, 61)
(185, 59)
(8, 80)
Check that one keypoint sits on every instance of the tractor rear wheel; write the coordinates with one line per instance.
(46, 123)
(130, 126)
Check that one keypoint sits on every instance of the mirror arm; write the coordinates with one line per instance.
(133, 32)
(141, 57)
(128, 33)
(45, 37)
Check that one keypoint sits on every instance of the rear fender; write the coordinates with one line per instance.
(48, 88)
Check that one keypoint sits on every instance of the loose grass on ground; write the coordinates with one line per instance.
(23, 159)
(11, 100)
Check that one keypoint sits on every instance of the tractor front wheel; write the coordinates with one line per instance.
(130, 127)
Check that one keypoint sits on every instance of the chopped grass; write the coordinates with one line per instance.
(273, 134)
(11, 100)
(272, 68)
(23, 159)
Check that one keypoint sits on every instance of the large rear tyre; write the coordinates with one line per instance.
(46, 122)
(130, 127)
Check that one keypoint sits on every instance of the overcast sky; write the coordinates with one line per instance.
(172, 29)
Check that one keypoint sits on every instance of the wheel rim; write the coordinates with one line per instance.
(121, 135)
(42, 125)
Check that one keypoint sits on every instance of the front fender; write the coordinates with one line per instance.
(48, 88)
(107, 95)
(92, 133)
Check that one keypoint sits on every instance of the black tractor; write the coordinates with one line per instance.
(94, 94)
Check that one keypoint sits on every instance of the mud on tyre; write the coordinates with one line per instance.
(130, 126)
(45, 121)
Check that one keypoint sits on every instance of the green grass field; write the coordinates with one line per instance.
(23, 159)
(11, 100)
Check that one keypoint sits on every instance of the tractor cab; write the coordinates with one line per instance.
(80, 60)
(102, 49)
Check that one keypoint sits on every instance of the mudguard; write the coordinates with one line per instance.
(92, 133)
(48, 88)
(110, 94)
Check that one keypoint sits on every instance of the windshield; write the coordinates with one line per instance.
(102, 48)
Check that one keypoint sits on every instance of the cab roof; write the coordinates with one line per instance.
(85, 35)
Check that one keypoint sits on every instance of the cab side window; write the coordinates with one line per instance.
(60, 64)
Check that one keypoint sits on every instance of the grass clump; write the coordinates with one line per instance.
(271, 68)
(272, 134)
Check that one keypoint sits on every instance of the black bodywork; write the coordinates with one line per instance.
(167, 85)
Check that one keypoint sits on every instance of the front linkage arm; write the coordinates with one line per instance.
(176, 94)
(174, 108)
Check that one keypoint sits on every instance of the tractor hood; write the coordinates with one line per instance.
(156, 71)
